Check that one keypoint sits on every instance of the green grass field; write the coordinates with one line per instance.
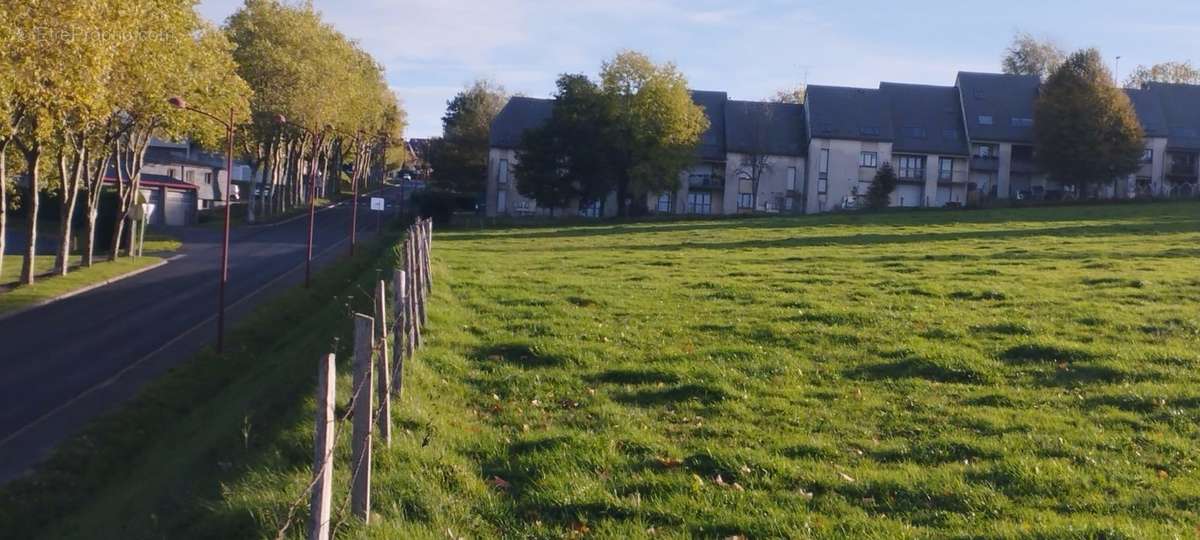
(972, 374)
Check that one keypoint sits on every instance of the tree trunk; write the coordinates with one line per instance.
(66, 213)
(92, 206)
(32, 160)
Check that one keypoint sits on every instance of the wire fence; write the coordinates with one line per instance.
(411, 286)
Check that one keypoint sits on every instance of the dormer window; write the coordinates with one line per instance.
(870, 131)
(1021, 122)
(986, 120)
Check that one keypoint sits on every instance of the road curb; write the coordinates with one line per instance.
(81, 290)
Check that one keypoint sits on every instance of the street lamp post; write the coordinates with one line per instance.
(179, 103)
(312, 200)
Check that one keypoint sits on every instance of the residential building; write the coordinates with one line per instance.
(998, 115)
(205, 172)
(949, 145)
(1150, 179)
(929, 146)
(173, 201)
(850, 135)
(1179, 105)
(768, 139)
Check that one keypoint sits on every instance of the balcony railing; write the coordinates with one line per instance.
(985, 163)
(952, 177)
(705, 181)
(1023, 166)
(911, 175)
(1183, 169)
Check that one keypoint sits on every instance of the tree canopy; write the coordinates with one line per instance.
(631, 133)
(459, 157)
(1028, 55)
(1166, 72)
(1085, 129)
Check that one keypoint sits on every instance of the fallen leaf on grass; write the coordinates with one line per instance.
(499, 483)
(669, 462)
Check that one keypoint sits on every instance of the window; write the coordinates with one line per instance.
(985, 120)
(501, 201)
(700, 203)
(593, 210)
(745, 200)
(791, 179)
(787, 203)
(823, 164)
(946, 169)
(914, 132)
(951, 134)
(207, 178)
(1148, 155)
(823, 186)
(1020, 122)
(983, 151)
(664, 203)
(189, 177)
(502, 176)
(171, 173)
(911, 167)
(870, 131)
(868, 159)
(1183, 132)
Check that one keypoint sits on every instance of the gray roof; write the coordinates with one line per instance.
(1003, 98)
(837, 112)
(712, 141)
(926, 119)
(1180, 105)
(518, 115)
(1149, 111)
(765, 128)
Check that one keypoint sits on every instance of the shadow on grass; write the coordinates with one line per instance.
(519, 354)
(706, 394)
(921, 368)
(635, 376)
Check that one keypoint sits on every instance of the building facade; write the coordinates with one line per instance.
(949, 146)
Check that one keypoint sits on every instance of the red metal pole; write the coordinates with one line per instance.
(354, 212)
(225, 242)
(312, 209)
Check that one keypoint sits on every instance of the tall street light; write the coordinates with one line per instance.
(318, 141)
(179, 103)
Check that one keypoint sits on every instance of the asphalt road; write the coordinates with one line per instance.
(68, 362)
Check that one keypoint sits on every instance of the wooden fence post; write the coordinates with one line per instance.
(419, 260)
(382, 373)
(429, 255)
(360, 490)
(322, 493)
(401, 333)
(414, 294)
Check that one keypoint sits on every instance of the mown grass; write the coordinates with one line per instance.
(48, 287)
(992, 374)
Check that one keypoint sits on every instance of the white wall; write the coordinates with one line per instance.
(845, 174)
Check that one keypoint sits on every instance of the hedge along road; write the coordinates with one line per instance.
(70, 361)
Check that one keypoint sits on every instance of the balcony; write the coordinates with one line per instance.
(1182, 170)
(911, 175)
(706, 182)
(1023, 166)
(985, 163)
(952, 177)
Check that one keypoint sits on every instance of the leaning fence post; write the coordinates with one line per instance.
(418, 262)
(401, 333)
(414, 295)
(360, 490)
(383, 374)
(322, 494)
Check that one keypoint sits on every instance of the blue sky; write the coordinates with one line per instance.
(749, 48)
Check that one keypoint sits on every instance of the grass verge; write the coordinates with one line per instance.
(48, 287)
(152, 469)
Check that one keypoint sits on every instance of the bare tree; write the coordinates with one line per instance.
(1166, 72)
(1028, 55)
(756, 157)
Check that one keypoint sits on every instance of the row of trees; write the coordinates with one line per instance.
(84, 87)
(1030, 55)
(336, 107)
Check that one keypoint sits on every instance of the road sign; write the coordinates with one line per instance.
(377, 204)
